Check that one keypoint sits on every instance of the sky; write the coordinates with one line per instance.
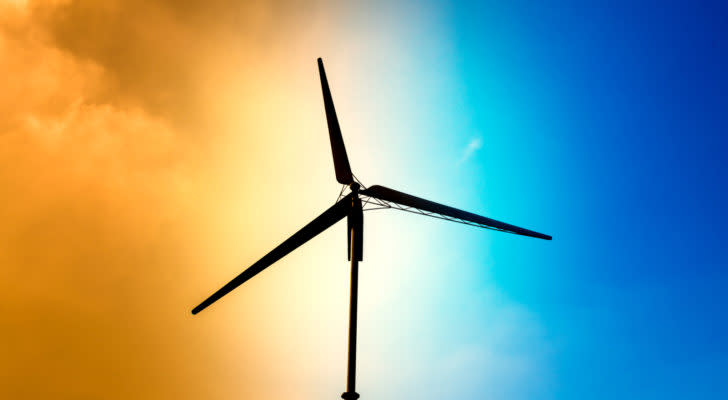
(150, 151)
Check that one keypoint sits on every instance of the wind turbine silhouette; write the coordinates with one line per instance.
(350, 206)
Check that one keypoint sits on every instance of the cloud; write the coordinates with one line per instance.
(119, 182)
(98, 187)
(473, 146)
(505, 356)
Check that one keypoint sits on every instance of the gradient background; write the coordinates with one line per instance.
(149, 152)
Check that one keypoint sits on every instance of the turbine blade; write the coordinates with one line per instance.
(329, 217)
(386, 194)
(341, 161)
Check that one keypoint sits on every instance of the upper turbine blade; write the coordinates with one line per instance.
(313, 228)
(386, 194)
(341, 161)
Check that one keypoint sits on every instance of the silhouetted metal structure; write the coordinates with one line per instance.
(350, 206)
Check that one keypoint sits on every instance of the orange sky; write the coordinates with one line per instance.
(116, 143)
(142, 146)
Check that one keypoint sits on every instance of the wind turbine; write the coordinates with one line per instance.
(350, 206)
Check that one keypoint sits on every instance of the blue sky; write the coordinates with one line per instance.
(605, 126)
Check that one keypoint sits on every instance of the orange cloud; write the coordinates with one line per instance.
(126, 145)
(95, 187)
(132, 134)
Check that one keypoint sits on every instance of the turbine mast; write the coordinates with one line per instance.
(355, 225)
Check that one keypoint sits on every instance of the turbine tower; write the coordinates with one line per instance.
(350, 206)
